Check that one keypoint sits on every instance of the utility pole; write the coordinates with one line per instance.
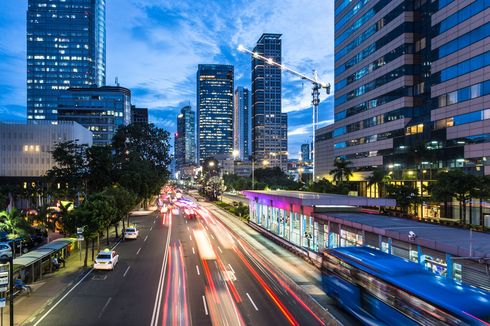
(316, 87)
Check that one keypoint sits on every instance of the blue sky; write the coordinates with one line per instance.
(154, 47)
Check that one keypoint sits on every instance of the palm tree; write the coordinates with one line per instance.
(379, 178)
(14, 223)
(342, 170)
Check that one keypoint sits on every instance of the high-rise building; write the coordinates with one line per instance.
(214, 110)
(139, 115)
(410, 87)
(99, 109)
(66, 48)
(269, 124)
(241, 123)
(185, 139)
(305, 152)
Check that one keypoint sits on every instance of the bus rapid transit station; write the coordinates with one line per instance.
(314, 222)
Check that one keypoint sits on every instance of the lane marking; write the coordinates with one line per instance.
(138, 251)
(104, 307)
(253, 303)
(151, 228)
(229, 265)
(68, 293)
(205, 305)
(197, 268)
(161, 282)
(212, 236)
(190, 238)
(193, 251)
(188, 229)
(154, 221)
(220, 249)
(127, 270)
(146, 238)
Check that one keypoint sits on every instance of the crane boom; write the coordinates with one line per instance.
(316, 87)
(284, 67)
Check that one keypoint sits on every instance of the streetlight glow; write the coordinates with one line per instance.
(211, 164)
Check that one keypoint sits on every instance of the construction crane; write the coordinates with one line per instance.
(316, 84)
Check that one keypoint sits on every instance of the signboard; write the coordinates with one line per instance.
(4, 281)
(80, 234)
(2, 302)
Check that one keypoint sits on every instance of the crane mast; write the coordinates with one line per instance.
(316, 84)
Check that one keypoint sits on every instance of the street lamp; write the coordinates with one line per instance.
(235, 154)
(211, 164)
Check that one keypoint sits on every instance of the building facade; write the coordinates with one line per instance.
(269, 124)
(66, 47)
(241, 123)
(99, 109)
(25, 149)
(139, 115)
(410, 90)
(185, 139)
(305, 152)
(214, 110)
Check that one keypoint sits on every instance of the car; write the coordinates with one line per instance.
(5, 251)
(131, 233)
(106, 260)
(189, 213)
(164, 209)
(175, 211)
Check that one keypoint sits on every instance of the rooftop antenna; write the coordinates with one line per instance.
(117, 81)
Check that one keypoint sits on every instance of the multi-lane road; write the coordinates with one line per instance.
(181, 272)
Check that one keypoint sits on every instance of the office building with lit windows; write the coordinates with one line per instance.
(214, 110)
(411, 85)
(241, 123)
(65, 48)
(99, 109)
(269, 124)
(185, 139)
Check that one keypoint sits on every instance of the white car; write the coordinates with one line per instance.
(5, 251)
(106, 259)
(131, 233)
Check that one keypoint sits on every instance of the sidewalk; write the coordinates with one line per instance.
(52, 286)
(304, 275)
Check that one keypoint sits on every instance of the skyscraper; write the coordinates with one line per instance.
(241, 123)
(139, 115)
(99, 109)
(305, 152)
(185, 138)
(410, 83)
(269, 124)
(214, 110)
(65, 48)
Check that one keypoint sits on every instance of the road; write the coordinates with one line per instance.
(181, 272)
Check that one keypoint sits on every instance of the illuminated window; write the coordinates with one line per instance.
(417, 129)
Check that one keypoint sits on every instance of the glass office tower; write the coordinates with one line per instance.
(241, 123)
(214, 110)
(99, 109)
(65, 48)
(411, 80)
(185, 138)
(269, 124)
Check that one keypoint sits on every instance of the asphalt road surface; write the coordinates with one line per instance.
(181, 271)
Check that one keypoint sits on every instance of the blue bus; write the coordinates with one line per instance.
(381, 289)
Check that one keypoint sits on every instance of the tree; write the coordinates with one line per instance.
(124, 201)
(100, 167)
(442, 191)
(70, 170)
(14, 223)
(141, 159)
(405, 196)
(342, 170)
(379, 178)
(214, 187)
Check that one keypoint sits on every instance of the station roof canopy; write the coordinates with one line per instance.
(41, 252)
(442, 238)
(304, 198)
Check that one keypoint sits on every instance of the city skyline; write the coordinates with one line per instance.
(165, 85)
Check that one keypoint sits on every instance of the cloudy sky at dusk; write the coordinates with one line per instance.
(154, 47)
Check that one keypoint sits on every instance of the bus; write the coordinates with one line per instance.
(382, 289)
